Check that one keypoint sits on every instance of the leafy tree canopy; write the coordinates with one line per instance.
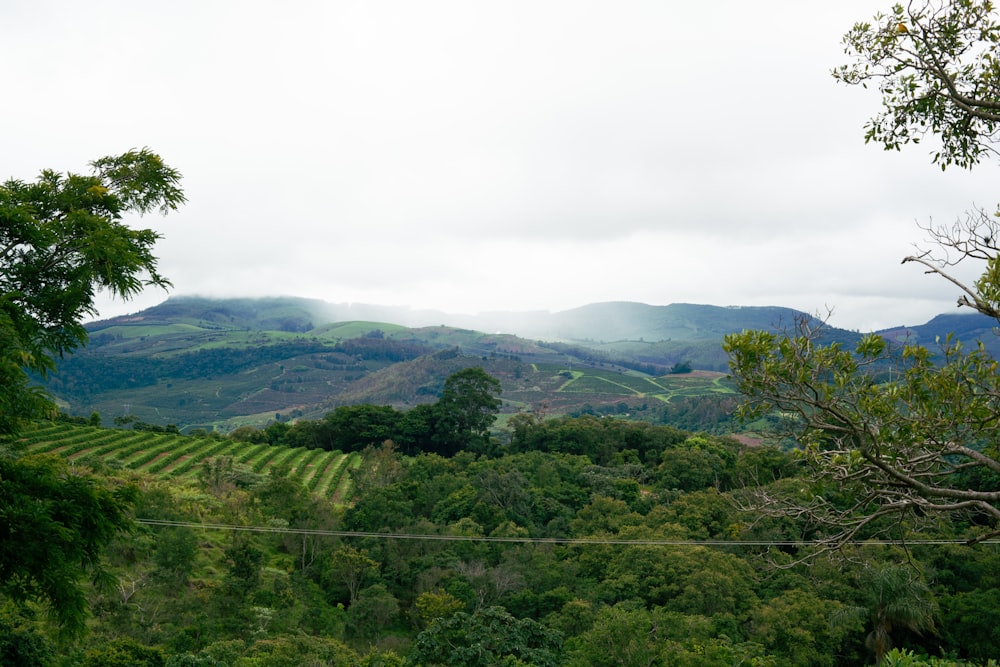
(935, 63)
(489, 636)
(899, 436)
(62, 240)
(912, 445)
(53, 526)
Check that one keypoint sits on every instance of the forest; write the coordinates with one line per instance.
(570, 541)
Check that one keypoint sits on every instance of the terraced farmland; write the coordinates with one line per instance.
(596, 381)
(166, 455)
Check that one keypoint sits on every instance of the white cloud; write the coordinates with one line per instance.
(485, 156)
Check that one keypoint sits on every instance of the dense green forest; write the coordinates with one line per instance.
(565, 541)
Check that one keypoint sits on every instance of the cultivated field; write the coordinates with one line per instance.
(166, 455)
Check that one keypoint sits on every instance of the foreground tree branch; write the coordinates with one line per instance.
(935, 63)
(896, 439)
(887, 435)
(62, 240)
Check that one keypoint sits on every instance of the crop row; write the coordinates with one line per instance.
(342, 492)
(305, 465)
(64, 440)
(58, 440)
(168, 455)
(46, 432)
(120, 446)
(189, 466)
(320, 483)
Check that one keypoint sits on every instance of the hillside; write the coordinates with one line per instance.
(218, 364)
(221, 364)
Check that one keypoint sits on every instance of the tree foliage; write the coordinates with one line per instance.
(62, 240)
(881, 447)
(622, 590)
(460, 419)
(53, 527)
(490, 636)
(897, 437)
(894, 597)
(936, 64)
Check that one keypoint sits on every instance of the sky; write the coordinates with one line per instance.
(471, 156)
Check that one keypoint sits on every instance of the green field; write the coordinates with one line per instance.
(630, 384)
(172, 456)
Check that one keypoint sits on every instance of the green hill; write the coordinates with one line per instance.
(218, 364)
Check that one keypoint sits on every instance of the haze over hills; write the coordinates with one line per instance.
(610, 321)
(598, 322)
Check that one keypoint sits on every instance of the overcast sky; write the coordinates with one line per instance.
(475, 156)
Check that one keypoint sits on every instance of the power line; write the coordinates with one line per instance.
(541, 540)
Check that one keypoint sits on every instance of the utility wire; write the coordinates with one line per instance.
(540, 540)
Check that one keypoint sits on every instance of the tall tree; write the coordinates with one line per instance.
(352, 568)
(893, 597)
(471, 396)
(63, 239)
(466, 409)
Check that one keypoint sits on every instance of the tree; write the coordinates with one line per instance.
(626, 636)
(466, 409)
(936, 65)
(895, 437)
(53, 526)
(878, 448)
(619, 637)
(472, 393)
(352, 568)
(490, 636)
(243, 563)
(62, 240)
(893, 598)
(797, 624)
(22, 644)
(372, 611)
(351, 428)
(123, 652)
(381, 466)
(431, 605)
(175, 554)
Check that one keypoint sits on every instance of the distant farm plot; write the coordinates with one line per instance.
(582, 380)
(167, 456)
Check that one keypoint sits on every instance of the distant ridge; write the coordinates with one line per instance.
(219, 364)
(964, 325)
(598, 322)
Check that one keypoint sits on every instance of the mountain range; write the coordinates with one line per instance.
(194, 362)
